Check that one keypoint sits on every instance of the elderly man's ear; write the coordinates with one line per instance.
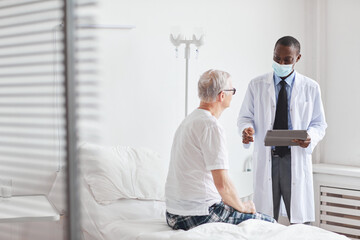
(221, 96)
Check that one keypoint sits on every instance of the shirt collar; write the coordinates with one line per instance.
(289, 80)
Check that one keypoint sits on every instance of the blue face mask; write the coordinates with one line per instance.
(282, 70)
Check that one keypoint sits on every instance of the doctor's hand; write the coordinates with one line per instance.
(247, 135)
(303, 143)
(249, 207)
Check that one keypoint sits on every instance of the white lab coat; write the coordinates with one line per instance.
(307, 113)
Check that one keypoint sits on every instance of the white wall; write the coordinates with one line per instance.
(342, 85)
(143, 82)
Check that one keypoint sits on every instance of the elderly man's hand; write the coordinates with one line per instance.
(247, 135)
(249, 207)
(303, 143)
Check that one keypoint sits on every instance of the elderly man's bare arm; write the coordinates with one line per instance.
(228, 192)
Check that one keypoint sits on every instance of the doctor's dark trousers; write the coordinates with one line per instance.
(281, 182)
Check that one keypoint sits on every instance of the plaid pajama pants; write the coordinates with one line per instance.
(219, 212)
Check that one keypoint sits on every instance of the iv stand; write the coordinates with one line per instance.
(177, 42)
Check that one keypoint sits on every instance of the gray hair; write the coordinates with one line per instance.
(211, 83)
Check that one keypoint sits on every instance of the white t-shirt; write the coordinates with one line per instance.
(199, 146)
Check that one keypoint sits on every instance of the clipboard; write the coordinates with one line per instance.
(284, 137)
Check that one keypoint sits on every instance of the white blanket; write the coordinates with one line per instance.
(247, 230)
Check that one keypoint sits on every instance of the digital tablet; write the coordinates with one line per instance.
(284, 137)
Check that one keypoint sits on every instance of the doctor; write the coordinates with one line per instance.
(283, 99)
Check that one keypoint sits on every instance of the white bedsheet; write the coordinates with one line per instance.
(252, 229)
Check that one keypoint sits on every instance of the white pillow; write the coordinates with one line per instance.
(95, 216)
(123, 173)
(122, 209)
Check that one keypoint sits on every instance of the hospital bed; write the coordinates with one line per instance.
(123, 199)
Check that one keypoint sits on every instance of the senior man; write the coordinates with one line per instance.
(198, 188)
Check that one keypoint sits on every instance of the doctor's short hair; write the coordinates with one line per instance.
(211, 83)
(289, 41)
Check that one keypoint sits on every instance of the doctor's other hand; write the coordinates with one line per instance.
(247, 135)
(303, 143)
(249, 207)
